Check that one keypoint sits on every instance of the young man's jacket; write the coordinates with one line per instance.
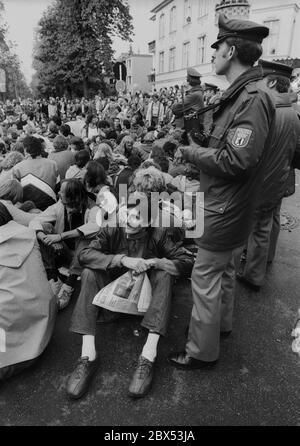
(285, 144)
(111, 244)
(233, 165)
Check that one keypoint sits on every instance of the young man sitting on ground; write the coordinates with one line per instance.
(139, 248)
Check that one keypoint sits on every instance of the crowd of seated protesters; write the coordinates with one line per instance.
(65, 177)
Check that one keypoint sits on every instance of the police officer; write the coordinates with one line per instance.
(262, 241)
(210, 94)
(231, 173)
(193, 101)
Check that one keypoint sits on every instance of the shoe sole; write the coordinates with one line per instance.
(137, 397)
(200, 367)
(248, 285)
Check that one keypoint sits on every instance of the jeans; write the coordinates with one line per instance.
(156, 318)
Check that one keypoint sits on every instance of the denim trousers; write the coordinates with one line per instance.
(156, 318)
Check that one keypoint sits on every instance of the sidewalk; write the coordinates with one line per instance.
(256, 382)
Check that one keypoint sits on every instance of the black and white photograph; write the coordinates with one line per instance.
(150, 216)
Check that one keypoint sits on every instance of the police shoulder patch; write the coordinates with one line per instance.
(241, 137)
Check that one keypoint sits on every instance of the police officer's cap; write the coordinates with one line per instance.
(243, 29)
(208, 86)
(275, 68)
(193, 73)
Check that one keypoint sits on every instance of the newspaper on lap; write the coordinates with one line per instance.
(130, 294)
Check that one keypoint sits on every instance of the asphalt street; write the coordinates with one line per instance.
(256, 382)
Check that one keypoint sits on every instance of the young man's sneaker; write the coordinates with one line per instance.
(64, 296)
(142, 378)
(79, 381)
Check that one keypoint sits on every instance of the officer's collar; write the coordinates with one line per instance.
(252, 75)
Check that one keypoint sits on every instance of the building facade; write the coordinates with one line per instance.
(185, 30)
(138, 67)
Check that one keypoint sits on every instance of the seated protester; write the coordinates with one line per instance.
(76, 144)
(94, 143)
(90, 130)
(126, 125)
(104, 150)
(2, 152)
(10, 160)
(139, 248)
(38, 176)
(11, 196)
(65, 130)
(156, 152)
(188, 184)
(190, 181)
(125, 148)
(96, 184)
(52, 131)
(104, 161)
(112, 137)
(143, 150)
(77, 125)
(137, 126)
(149, 178)
(27, 307)
(178, 166)
(124, 177)
(170, 148)
(78, 170)
(163, 163)
(103, 128)
(22, 121)
(63, 157)
(117, 125)
(73, 221)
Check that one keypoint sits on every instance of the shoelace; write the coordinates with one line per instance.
(81, 367)
(143, 368)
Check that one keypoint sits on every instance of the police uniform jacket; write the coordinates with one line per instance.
(193, 102)
(284, 144)
(232, 167)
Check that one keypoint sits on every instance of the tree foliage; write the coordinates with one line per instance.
(16, 85)
(73, 47)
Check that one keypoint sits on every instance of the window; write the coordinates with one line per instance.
(271, 42)
(201, 49)
(186, 55)
(187, 14)
(162, 26)
(129, 64)
(202, 7)
(161, 62)
(172, 59)
(129, 80)
(173, 19)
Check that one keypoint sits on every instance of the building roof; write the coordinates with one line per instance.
(161, 6)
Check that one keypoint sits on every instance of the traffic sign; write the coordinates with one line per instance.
(120, 86)
(120, 71)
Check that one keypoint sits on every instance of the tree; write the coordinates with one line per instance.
(16, 85)
(73, 48)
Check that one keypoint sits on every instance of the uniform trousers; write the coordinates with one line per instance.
(261, 247)
(213, 288)
(156, 318)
